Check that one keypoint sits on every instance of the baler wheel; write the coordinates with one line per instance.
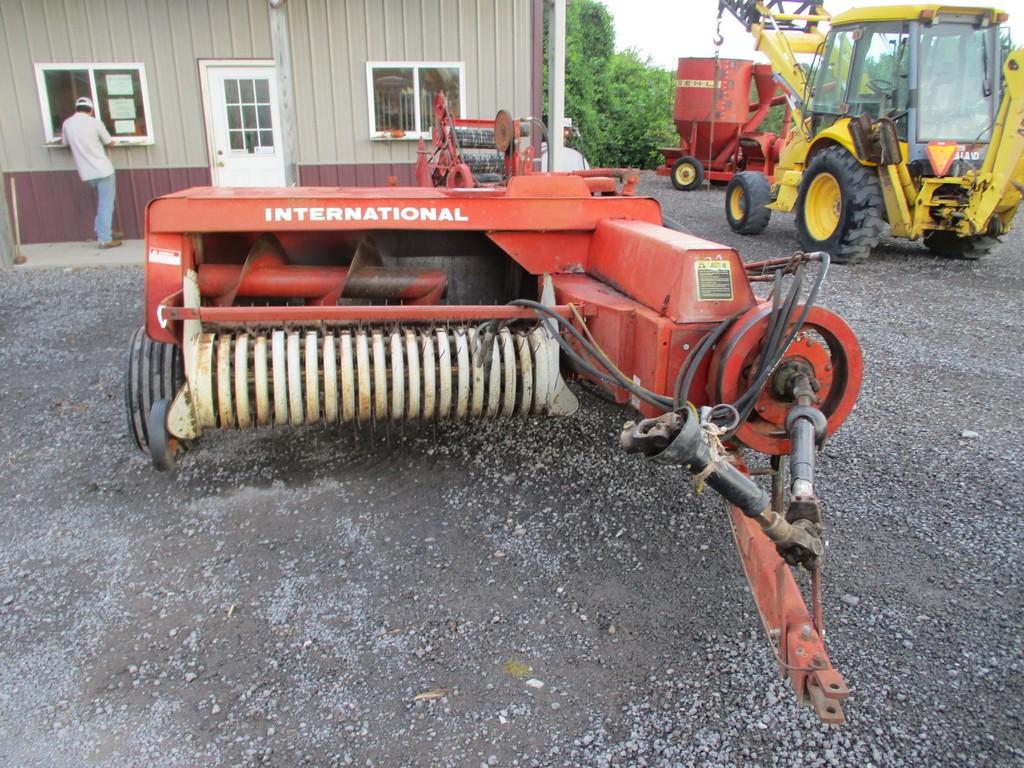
(970, 248)
(163, 448)
(840, 208)
(746, 203)
(687, 173)
(154, 372)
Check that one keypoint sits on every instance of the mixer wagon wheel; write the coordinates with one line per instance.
(948, 244)
(154, 372)
(746, 203)
(687, 173)
(840, 208)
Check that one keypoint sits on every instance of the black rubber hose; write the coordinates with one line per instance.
(612, 377)
(688, 370)
(808, 303)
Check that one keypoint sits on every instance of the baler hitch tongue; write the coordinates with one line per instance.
(766, 539)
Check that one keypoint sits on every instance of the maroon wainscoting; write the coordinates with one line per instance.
(57, 206)
(352, 175)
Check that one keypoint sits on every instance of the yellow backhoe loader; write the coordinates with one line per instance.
(910, 115)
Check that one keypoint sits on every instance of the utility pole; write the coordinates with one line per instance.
(556, 87)
(281, 47)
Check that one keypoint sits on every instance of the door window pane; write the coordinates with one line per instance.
(235, 137)
(266, 138)
(880, 83)
(248, 116)
(231, 91)
(263, 116)
(262, 90)
(248, 94)
(234, 116)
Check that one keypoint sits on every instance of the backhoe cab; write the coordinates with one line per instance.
(910, 116)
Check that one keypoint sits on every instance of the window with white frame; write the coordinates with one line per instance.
(402, 96)
(118, 92)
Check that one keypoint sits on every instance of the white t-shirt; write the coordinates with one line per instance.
(86, 136)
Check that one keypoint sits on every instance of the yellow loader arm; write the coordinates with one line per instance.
(998, 186)
(781, 29)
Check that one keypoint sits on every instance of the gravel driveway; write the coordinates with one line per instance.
(284, 597)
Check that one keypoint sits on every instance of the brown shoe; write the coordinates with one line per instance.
(110, 244)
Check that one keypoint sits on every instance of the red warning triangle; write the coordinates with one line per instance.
(940, 154)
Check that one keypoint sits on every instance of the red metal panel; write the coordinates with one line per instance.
(695, 91)
(237, 210)
(640, 342)
(657, 267)
(357, 313)
(163, 278)
(539, 252)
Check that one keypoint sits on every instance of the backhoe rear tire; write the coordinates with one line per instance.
(840, 208)
(970, 248)
(154, 372)
(746, 199)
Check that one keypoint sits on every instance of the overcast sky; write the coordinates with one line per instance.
(668, 29)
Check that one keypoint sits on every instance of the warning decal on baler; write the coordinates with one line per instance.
(714, 280)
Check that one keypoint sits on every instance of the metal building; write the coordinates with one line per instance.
(245, 92)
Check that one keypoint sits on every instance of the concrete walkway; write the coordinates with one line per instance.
(50, 255)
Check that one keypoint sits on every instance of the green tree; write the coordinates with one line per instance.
(620, 104)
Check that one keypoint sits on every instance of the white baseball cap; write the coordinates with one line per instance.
(83, 101)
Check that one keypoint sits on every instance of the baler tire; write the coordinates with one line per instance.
(683, 180)
(860, 218)
(163, 449)
(154, 371)
(746, 203)
(969, 248)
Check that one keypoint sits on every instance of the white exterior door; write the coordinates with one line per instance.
(244, 125)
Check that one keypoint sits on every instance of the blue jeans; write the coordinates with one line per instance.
(105, 207)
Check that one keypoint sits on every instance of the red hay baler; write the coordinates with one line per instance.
(269, 309)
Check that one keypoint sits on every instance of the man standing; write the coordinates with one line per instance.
(87, 137)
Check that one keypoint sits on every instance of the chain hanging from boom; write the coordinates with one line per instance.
(714, 100)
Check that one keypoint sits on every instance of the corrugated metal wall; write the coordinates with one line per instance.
(168, 36)
(331, 42)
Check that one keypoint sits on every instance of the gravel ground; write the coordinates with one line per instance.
(284, 597)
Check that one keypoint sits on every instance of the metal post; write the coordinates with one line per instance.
(556, 87)
(9, 252)
(281, 47)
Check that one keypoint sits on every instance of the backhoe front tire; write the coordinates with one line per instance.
(970, 248)
(746, 199)
(840, 208)
(687, 173)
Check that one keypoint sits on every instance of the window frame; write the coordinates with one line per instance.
(51, 138)
(379, 135)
